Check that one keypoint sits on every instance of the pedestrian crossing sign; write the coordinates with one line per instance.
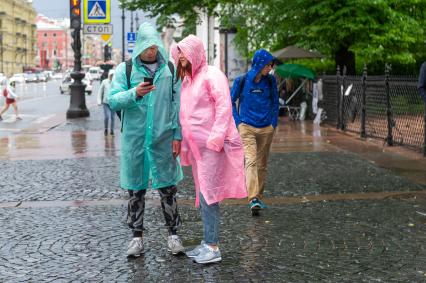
(97, 11)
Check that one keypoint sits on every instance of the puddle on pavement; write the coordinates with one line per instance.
(59, 145)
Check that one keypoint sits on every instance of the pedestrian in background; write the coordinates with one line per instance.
(9, 92)
(256, 117)
(211, 144)
(148, 97)
(422, 82)
(103, 100)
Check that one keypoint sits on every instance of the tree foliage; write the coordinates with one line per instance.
(166, 12)
(372, 31)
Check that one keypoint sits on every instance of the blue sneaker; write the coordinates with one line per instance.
(255, 204)
(262, 205)
(255, 207)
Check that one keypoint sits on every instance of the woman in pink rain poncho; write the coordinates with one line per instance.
(211, 143)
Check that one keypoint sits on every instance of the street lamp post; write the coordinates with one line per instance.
(1, 52)
(122, 34)
(137, 21)
(131, 21)
(77, 107)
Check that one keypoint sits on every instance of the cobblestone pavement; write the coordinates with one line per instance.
(355, 241)
(375, 240)
(290, 174)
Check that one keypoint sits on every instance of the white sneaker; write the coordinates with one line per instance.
(196, 251)
(208, 255)
(175, 244)
(135, 247)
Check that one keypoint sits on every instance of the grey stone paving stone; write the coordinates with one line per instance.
(342, 241)
(289, 174)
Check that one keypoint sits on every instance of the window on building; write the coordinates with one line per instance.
(54, 52)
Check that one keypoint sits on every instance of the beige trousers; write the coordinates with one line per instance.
(257, 143)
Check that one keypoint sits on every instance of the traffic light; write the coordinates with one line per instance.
(214, 50)
(107, 53)
(75, 14)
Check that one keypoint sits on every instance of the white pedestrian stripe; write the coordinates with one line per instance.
(42, 119)
(97, 11)
(10, 130)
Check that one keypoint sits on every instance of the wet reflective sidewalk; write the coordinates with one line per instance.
(340, 209)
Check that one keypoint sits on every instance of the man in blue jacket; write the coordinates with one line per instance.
(422, 82)
(256, 117)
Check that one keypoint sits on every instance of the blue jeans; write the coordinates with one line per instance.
(210, 215)
(108, 114)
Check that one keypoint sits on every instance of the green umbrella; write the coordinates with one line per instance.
(294, 71)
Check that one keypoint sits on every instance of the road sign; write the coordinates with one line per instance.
(105, 37)
(131, 36)
(131, 39)
(97, 11)
(97, 29)
(130, 47)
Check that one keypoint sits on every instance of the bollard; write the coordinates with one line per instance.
(389, 138)
(363, 102)
(338, 96)
(424, 131)
(342, 100)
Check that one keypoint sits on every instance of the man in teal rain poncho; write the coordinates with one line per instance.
(151, 134)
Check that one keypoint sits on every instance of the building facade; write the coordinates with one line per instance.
(92, 49)
(54, 50)
(220, 48)
(17, 36)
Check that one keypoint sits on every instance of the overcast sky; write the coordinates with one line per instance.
(60, 9)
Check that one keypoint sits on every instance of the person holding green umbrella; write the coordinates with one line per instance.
(256, 117)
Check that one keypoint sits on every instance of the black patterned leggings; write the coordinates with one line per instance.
(136, 209)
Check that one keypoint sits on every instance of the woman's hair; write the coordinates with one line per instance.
(181, 71)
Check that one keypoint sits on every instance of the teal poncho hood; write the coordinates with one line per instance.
(148, 36)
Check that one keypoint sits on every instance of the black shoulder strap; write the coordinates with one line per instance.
(242, 82)
(129, 66)
(172, 70)
(240, 91)
(270, 86)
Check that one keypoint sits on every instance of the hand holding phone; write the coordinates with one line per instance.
(149, 80)
(145, 87)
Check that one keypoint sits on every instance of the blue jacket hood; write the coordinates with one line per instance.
(260, 59)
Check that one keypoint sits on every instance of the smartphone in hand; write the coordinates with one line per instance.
(149, 80)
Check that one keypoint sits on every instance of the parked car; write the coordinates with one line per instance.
(30, 78)
(93, 73)
(64, 87)
(41, 77)
(18, 78)
(57, 76)
(89, 85)
(65, 84)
